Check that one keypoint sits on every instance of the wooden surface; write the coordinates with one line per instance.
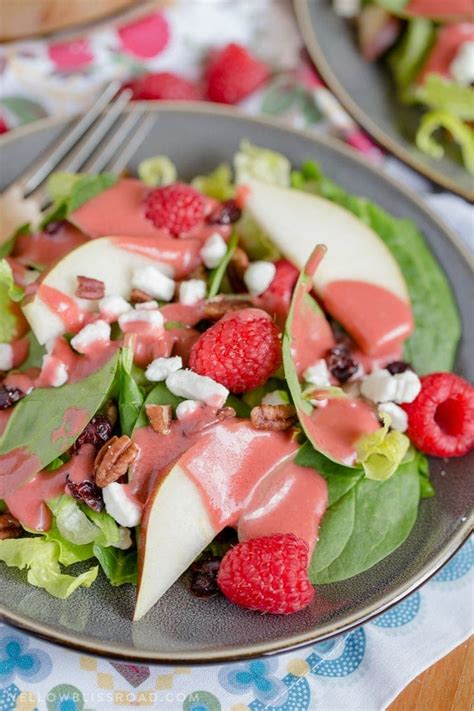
(446, 686)
(21, 18)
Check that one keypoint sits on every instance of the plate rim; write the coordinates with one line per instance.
(288, 643)
(303, 18)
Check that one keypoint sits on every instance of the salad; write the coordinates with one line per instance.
(238, 377)
(428, 46)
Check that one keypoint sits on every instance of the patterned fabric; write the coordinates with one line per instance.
(362, 669)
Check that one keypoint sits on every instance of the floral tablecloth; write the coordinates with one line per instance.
(363, 669)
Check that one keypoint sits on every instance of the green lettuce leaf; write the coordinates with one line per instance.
(460, 131)
(69, 191)
(9, 292)
(440, 93)
(381, 452)
(130, 396)
(159, 170)
(71, 522)
(217, 184)
(41, 559)
(409, 55)
(216, 275)
(119, 566)
(109, 530)
(261, 163)
(69, 553)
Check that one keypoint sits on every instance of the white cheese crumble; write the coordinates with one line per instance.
(214, 250)
(151, 318)
(6, 356)
(462, 66)
(57, 374)
(275, 397)
(160, 368)
(187, 408)
(192, 291)
(152, 281)
(381, 386)
(185, 383)
(98, 331)
(258, 276)
(113, 306)
(151, 305)
(398, 416)
(120, 505)
(318, 374)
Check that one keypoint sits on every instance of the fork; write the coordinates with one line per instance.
(101, 139)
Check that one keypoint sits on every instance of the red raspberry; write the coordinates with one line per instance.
(232, 73)
(240, 351)
(267, 574)
(176, 208)
(441, 418)
(163, 85)
(276, 299)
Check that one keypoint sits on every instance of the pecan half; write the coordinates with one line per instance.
(224, 412)
(139, 297)
(88, 288)
(273, 417)
(160, 417)
(219, 306)
(9, 527)
(113, 459)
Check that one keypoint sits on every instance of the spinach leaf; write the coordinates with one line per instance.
(48, 421)
(437, 325)
(35, 353)
(130, 395)
(160, 395)
(119, 566)
(340, 479)
(69, 191)
(373, 518)
(216, 275)
(241, 408)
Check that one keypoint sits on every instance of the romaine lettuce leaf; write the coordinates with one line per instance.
(440, 93)
(159, 170)
(460, 131)
(217, 184)
(381, 452)
(261, 163)
(41, 559)
(119, 566)
(9, 293)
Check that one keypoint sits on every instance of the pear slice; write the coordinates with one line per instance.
(359, 279)
(112, 261)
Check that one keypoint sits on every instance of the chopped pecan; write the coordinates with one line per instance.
(273, 417)
(9, 527)
(239, 261)
(219, 306)
(160, 417)
(113, 460)
(139, 297)
(89, 288)
(87, 492)
(224, 412)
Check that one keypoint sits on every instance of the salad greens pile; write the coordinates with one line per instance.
(372, 508)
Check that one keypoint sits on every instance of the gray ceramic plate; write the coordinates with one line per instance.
(182, 628)
(367, 91)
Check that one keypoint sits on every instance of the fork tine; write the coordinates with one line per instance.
(43, 167)
(142, 131)
(116, 142)
(87, 146)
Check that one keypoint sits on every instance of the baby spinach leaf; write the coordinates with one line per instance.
(216, 275)
(48, 421)
(130, 395)
(119, 566)
(35, 353)
(437, 325)
(71, 190)
(340, 479)
(373, 519)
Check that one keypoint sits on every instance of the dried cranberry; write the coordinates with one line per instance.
(204, 577)
(225, 214)
(340, 363)
(87, 492)
(9, 396)
(53, 227)
(398, 366)
(97, 432)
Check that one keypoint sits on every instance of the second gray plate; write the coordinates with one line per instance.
(367, 92)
